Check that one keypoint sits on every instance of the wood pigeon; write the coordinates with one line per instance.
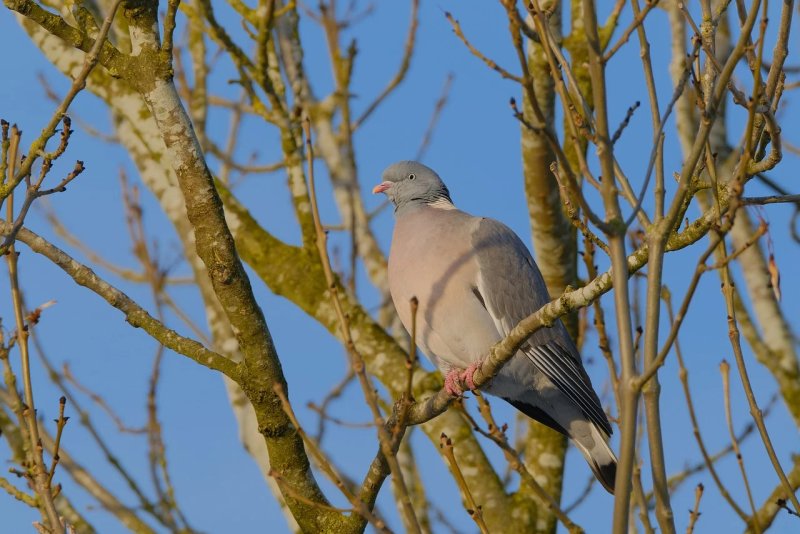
(475, 280)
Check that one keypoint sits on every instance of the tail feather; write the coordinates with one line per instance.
(592, 444)
(600, 457)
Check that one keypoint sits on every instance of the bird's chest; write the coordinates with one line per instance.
(440, 273)
(427, 267)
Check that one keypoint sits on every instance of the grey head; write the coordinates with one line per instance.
(409, 184)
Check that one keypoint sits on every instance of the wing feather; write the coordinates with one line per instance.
(511, 288)
(556, 364)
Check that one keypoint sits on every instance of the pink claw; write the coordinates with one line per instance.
(452, 383)
(468, 376)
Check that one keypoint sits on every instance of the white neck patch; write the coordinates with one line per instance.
(442, 204)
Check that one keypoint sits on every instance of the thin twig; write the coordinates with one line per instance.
(60, 424)
(357, 362)
(635, 23)
(700, 269)
(474, 511)
(677, 479)
(498, 436)
(625, 122)
(157, 458)
(18, 494)
(411, 361)
(477, 53)
(285, 486)
(437, 111)
(755, 411)
(326, 467)
(694, 514)
(97, 399)
(78, 84)
(37, 471)
(573, 213)
(775, 199)
(85, 420)
(581, 498)
(333, 394)
(683, 374)
(34, 192)
(659, 131)
(95, 258)
(724, 369)
(245, 168)
(336, 420)
(405, 63)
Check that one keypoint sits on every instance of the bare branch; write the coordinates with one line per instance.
(477, 53)
(694, 515)
(405, 63)
(134, 314)
(473, 509)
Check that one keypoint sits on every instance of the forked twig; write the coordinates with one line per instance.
(36, 470)
(61, 422)
(694, 514)
(755, 411)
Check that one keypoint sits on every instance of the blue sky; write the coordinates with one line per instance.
(476, 151)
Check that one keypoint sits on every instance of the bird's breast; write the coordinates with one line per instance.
(440, 270)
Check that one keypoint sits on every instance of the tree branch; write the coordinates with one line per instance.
(134, 313)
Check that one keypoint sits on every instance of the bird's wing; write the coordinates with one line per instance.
(512, 288)
(560, 367)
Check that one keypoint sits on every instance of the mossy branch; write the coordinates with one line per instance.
(134, 313)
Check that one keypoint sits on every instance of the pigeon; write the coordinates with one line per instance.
(474, 280)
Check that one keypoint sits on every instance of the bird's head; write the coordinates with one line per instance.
(409, 182)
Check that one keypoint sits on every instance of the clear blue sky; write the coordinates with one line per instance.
(476, 151)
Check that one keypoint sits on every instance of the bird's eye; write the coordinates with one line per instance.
(412, 176)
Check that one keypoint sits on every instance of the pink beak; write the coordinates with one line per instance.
(381, 187)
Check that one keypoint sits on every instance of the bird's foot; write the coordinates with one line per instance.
(452, 382)
(468, 376)
(456, 381)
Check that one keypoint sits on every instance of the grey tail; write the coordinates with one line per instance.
(606, 474)
(599, 456)
(595, 450)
